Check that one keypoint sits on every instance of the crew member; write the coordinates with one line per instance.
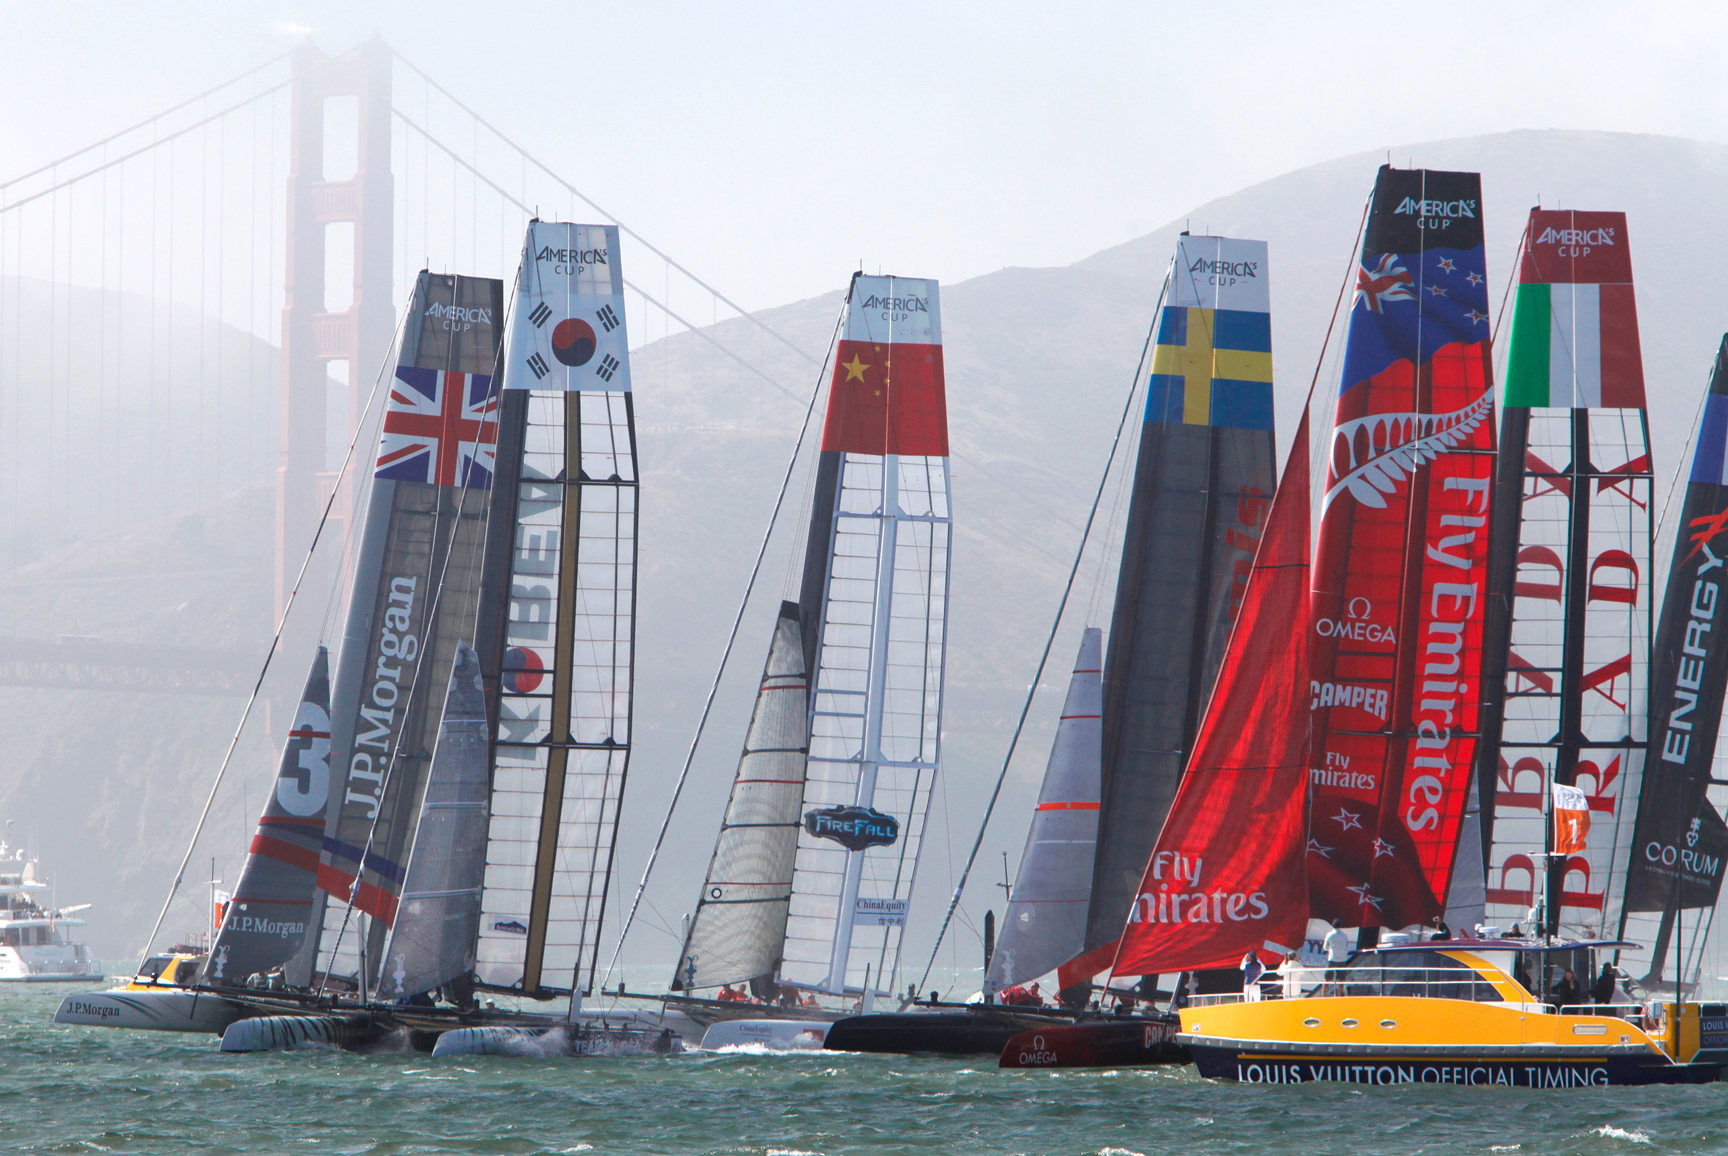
(1252, 970)
(1338, 952)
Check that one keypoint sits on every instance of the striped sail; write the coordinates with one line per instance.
(267, 917)
(1045, 924)
(1202, 482)
(1575, 520)
(416, 586)
(740, 918)
(875, 609)
(559, 620)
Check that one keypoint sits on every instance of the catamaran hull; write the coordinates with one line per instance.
(965, 1033)
(1102, 1044)
(1257, 1067)
(161, 1011)
(554, 1042)
(278, 1033)
(774, 1035)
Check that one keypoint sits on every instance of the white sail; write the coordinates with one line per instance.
(740, 920)
(876, 709)
(564, 714)
(1045, 925)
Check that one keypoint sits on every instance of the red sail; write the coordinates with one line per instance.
(1397, 607)
(1226, 875)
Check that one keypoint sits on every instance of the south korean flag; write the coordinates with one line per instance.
(568, 330)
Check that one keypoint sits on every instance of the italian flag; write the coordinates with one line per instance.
(1575, 347)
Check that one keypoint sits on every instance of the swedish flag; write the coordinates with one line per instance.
(1212, 367)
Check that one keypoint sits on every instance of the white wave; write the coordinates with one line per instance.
(1119, 1152)
(1613, 1133)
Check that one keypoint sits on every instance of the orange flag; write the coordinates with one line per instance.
(1571, 819)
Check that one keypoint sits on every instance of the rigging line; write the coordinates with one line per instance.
(645, 295)
(1685, 448)
(269, 655)
(1055, 626)
(622, 227)
(140, 151)
(726, 654)
(149, 120)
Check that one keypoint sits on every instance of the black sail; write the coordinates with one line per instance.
(1680, 841)
(1202, 485)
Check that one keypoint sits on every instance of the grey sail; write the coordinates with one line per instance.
(432, 942)
(265, 924)
(1046, 920)
(414, 596)
(740, 920)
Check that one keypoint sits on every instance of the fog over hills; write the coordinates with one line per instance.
(1040, 363)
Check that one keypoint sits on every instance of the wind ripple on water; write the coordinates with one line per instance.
(91, 1090)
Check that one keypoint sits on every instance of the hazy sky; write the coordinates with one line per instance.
(773, 146)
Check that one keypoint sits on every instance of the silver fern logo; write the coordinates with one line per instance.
(1385, 448)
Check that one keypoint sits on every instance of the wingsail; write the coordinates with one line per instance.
(874, 609)
(1399, 565)
(1204, 475)
(1568, 707)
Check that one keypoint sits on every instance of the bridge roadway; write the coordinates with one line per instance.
(94, 664)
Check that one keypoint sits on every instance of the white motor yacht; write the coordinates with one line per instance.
(34, 944)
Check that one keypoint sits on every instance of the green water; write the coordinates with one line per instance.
(83, 1090)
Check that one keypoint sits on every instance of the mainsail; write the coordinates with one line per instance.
(561, 555)
(416, 584)
(874, 607)
(740, 919)
(1397, 603)
(432, 940)
(1202, 480)
(1045, 924)
(1680, 842)
(266, 919)
(1226, 874)
(1576, 643)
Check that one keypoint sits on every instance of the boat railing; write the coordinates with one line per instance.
(1320, 983)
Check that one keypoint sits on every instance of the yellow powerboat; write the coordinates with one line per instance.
(1455, 1012)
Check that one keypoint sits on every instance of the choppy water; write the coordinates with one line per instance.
(78, 1090)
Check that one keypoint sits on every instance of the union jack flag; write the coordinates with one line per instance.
(440, 428)
(1387, 281)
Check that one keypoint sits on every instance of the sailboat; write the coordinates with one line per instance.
(814, 868)
(1202, 481)
(411, 856)
(1482, 1007)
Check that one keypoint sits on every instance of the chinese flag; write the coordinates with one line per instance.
(1571, 819)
